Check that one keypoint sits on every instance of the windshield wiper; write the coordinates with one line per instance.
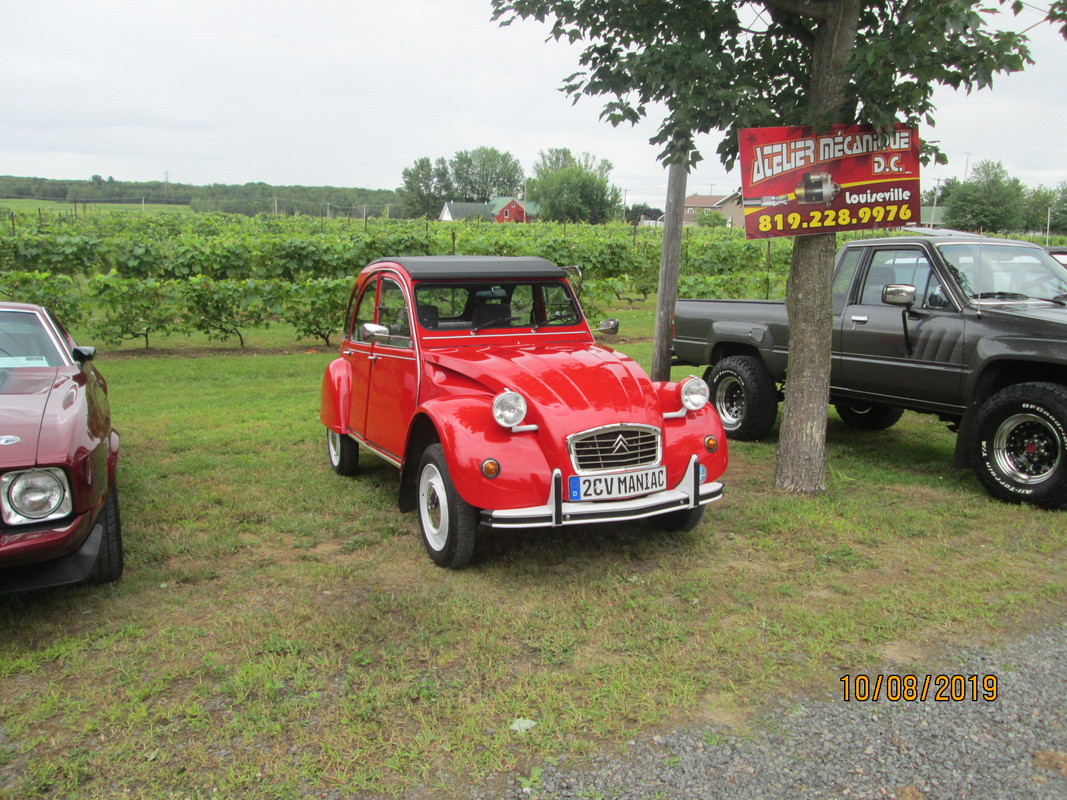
(502, 322)
(999, 296)
(1060, 299)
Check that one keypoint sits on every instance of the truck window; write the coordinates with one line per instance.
(909, 267)
(846, 269)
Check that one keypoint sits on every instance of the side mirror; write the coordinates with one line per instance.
(899, 294)
(369, 332)
(83, 354)
(608, 326)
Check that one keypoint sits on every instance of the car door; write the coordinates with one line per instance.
(394, 374)
(877, 358)
(358, 354)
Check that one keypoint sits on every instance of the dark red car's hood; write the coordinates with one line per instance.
(29, 397)
(577, 381)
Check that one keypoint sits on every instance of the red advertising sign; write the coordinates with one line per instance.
(796, 182)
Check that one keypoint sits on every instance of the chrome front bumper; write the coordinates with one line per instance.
(689, 493)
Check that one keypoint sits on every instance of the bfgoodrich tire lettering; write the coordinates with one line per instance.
(745, 397)
(1019, 447)
(448, 523)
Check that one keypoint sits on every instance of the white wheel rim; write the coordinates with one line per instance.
(433, 508)
(333, 439)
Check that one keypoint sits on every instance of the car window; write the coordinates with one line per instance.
(491, 306)
(25, 342)
(364, 311)
(393, 314)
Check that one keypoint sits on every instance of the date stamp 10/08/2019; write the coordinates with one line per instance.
(916, 688)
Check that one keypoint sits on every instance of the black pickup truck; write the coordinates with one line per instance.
(973, 329)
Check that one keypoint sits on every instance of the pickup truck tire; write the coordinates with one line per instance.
(343, 453)
(1019, 444)
(745, 397)
(449, 524)
(869, 416)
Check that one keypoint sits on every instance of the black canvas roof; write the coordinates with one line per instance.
(450, 267)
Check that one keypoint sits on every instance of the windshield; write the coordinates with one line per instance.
(1006, 272)
(479, 306)
(25, 342)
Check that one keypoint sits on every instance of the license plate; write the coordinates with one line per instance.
(616, 487)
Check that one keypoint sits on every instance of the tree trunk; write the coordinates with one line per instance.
(670, 262)
(801, 464)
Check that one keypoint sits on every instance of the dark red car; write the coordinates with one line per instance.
(59, 510)
(480, 379)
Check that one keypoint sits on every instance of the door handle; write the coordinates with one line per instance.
(858, 320)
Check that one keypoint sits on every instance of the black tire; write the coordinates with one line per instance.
(745, 397)
(449, 524)
(343, 453)
(680, 521)
(869, 416)
(1019, 444)
(109, 560)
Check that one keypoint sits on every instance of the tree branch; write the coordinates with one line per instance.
(812, 9)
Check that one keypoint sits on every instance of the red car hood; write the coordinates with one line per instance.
(30, 397)
(580, 385)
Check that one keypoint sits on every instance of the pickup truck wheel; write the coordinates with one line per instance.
(745, 397)
(1019, 445)
(870, 416)
(343, 453)
(448, 522)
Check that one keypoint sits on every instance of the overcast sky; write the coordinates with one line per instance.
(350, 92)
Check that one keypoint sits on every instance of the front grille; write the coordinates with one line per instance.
(615, 447)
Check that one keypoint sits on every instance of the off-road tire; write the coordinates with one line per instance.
(745, 397)
(1019, 444)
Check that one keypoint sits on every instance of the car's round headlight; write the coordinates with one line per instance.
(509, 409)
(695, 394)
(37, 495)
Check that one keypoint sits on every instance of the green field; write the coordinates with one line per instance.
(280, 632)
(54, 207)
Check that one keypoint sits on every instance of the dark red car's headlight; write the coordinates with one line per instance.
(34, 495)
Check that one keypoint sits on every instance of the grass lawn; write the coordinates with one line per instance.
(281, 633)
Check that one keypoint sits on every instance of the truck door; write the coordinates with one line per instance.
(874, 355)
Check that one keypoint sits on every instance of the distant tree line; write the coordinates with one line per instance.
(566, 187)
(992, 201)
(249, 198)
